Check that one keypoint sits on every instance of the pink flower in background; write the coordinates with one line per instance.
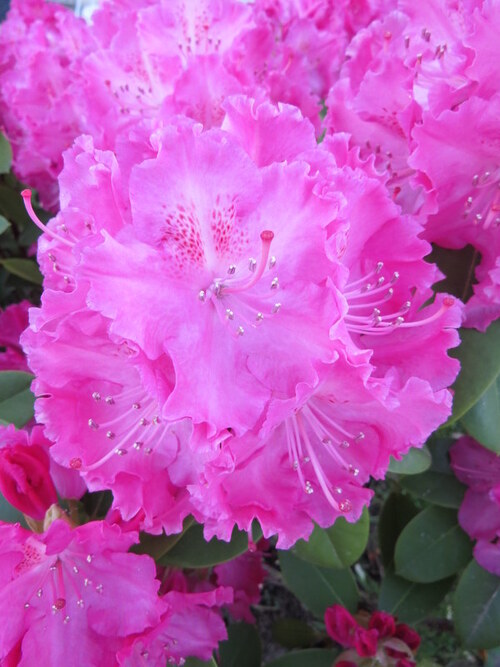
(41, 46)
(458, 151)
(479, 514)
(72, 590)
(13, 321)
(245, 575)
(190, 626)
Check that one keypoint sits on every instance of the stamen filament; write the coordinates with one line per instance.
(26, 195)
(266, 238)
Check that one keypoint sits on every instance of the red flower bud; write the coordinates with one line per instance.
(365, 642)
(25, 479)
(408, 636)
(340, 625)
(404, 662)
(383, 623)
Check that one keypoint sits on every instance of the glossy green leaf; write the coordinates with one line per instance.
(436, 488)
(313, 657)
(397, 511)
(415, 462)
(12, 207)
(479, 355)
(10, 514)
(458, 267)
(24, 268)
(318, 587)
(194, 662)
(293, 633)
(4, 224)
(5, 155)
(409, 601)
(157, 546)
(338, 546)
(432, 546)
(482, 421)
(194, 551)
(241, 648)
(16, 399)
(476, 608)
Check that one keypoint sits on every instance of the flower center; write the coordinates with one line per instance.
(234, 298)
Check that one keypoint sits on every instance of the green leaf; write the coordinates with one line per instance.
(432, 546)
(241, 648)
(458, 267)
(338, 546)
(398, 510)
(413, 463)
(16, 399)
(409, 601)
(493, 658)
(479, 355)
(157, 546)
(482, 421)
(476, 608)
(24, 268)
(292, 633)
(4, 224)
(10, 514)
(313, 657)
(5, 155)
(12, 206)
(436, 488)
(318, 587)
(194, 662)
(194, 551)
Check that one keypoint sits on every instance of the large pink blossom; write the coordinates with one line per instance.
(479, 514)
(226, 303)
(41, 44)
(13, 321)
(72, 596)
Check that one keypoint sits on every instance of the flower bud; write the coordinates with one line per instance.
(365, 642)
(340, 625)
(25, 478)
(408, 635)
(383, 623)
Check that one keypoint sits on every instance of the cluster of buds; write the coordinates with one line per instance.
(378, 638)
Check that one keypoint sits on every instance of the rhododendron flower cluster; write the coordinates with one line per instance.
(239, 329)
(298, 332)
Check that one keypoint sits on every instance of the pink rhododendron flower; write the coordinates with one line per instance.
(41, 44)
(190, 626)
(13, 321)
(245, 575)
(437, 101)
(72, 592)
(287, 351)
(479, 514)
(458, 153)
